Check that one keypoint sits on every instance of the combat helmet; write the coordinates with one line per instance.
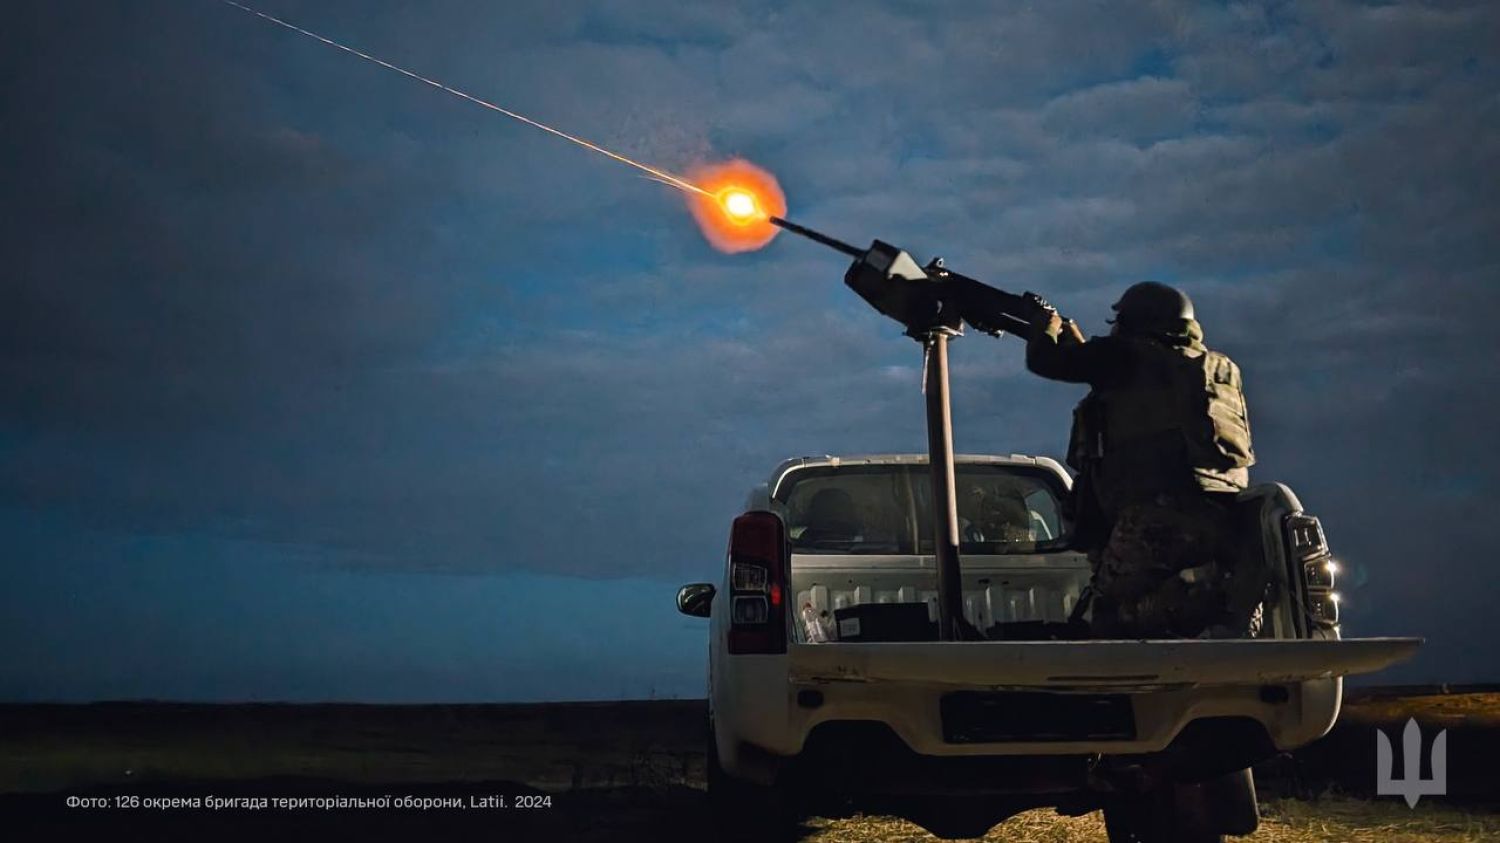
(1153, 307)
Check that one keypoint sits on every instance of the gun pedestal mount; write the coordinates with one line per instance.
(944, 495)
(895, 285)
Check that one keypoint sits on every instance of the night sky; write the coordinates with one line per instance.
(319, 384)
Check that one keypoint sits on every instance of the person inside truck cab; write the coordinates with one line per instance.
(1161, 444)
(832, 520)
(993, 515)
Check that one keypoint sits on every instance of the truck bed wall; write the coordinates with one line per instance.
(996, 589)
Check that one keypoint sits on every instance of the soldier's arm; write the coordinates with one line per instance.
(1059, 353)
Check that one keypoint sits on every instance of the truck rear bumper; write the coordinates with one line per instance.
(810, 724)
(868, 758)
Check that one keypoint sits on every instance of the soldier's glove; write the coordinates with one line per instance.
(1043, 316)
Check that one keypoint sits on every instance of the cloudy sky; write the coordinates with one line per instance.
(316, 383)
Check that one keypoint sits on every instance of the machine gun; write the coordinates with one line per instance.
(922, 298)
(933, 303)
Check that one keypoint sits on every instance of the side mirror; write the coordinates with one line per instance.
(696, 599)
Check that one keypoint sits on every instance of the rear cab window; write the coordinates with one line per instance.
(887, 509)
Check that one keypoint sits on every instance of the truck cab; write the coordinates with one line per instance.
(827, 681)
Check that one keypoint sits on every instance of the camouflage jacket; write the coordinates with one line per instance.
(1164, 414)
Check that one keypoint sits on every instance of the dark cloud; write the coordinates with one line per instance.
(260, 291)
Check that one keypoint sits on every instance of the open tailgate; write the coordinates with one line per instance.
(1115, 664)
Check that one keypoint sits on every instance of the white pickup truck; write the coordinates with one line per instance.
(826, 678)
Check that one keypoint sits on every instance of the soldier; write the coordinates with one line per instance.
(1161, 444)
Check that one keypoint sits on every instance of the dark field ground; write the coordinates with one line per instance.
(598, 771)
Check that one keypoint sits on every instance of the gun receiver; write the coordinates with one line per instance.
(936, 298)
(990, 310)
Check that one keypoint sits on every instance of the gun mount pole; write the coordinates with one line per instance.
(817, 237)
(944, 498)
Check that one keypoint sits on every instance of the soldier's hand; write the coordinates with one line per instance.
(1071, 333)
(1054, 324)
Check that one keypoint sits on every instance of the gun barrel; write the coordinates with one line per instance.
(818, 237)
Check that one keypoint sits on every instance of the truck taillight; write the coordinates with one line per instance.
(1306, 543)
(1305, 536)
(1323, 609)
(751, 610)
(1319, 572)
(747, 577)
(757, 573)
